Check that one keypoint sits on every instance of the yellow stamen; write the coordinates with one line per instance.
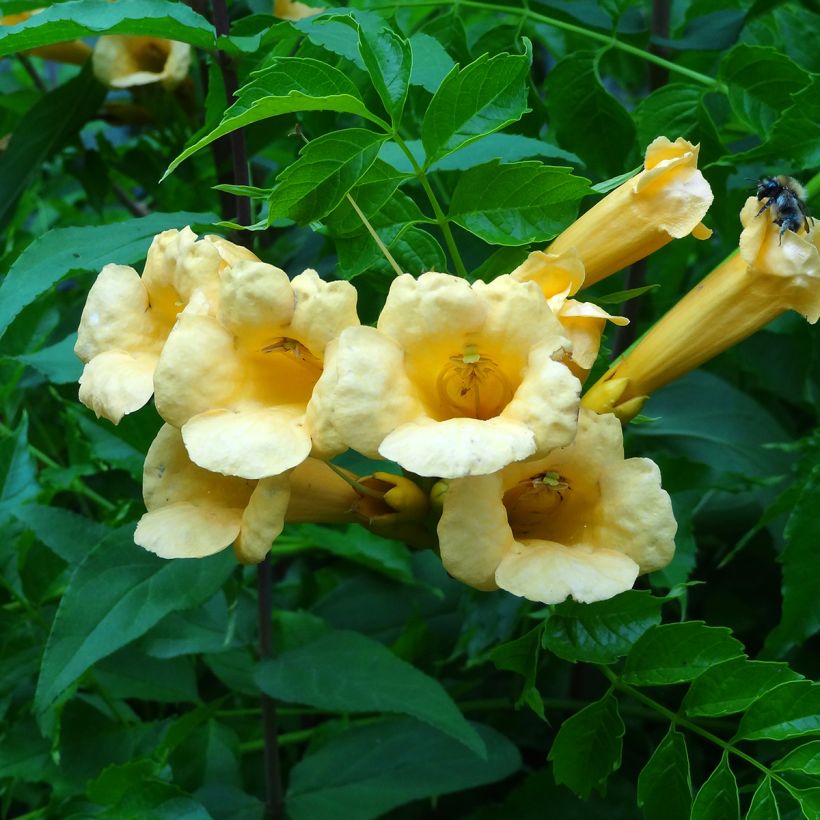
(474, 385)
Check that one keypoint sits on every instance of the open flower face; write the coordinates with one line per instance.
(665, 201)
(770, 274)
(238, 383)
(127, 318)
(582, 522)
(456, 379)
(126, 61)
(561, 275)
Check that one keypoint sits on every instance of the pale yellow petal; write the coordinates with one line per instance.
(549, 573)
(554, 273)
(116, 315)
(185, 530)
(323, 310)
(255, 298)
(117, 382)
(362, 395)
(263, 519)
(458, 447)
(126, 61)
(473, 531)
(546, 402)
(250, 443)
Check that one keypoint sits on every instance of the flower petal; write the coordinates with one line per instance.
(255, 299)
(549, 573)
(250, 443)
(117, 382)
(473, 531)
(458, 447)
(186, 530)
(263, 519)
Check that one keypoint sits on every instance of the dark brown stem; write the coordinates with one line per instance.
(274, 807)
(32, 72)
(135, 208)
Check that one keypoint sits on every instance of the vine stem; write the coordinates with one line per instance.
(604, 39)
(684, 723)
(441, 218)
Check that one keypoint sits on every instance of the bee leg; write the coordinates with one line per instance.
(805, 212)
(782, 231)
(767, 205)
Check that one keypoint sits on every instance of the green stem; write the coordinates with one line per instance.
(604, 39)
(291, 738)
(441, 218)
(684, 723)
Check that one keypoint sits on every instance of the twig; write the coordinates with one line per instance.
(32, 72)
(134, 207)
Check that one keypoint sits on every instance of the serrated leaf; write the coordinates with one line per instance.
(675, 653)
(389, 61)
(65, 533)
(58, 362)
(805, 758)
(431, 62)
(289, 84)
(587, 748)
(671, 109)
(517, 203)
(732, 686)
(347, 672)
(481, 98)
(60, 251)
(114, 596)
(717, 798)
(521, 656)
(800, 618)
(365, 771)
(790, 710)
(664, 784)
(327, 168)
(764, 803)
(81, 18)
(581, 111)
(603, 631)
(621, 296)
(48, 125)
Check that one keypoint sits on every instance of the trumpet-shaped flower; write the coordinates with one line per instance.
(238, 384)
(124, 61)
(455, 380)
(582, 522)
(767, 277)
(74, 52)
(127, 318)
(561, 275)
(665, 201)
(193, 513)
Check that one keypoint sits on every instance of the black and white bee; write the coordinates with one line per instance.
(787, 199)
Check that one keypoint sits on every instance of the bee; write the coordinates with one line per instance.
(787, 199)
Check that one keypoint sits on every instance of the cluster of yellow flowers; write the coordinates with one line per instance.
(262, 380)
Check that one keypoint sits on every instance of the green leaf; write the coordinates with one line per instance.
(582, 112)
(57, 362)
(289, 84)
(18, 483)
(481, 98)
(60, 251)
(431, 62)
(805, 758)
(603, 631)
(367, 770)
(65, 533)
(717, 798)
(732, 686)
(116, 595)
(517, 203)
(46, 127)
(664, 784)
(675, 653)
(327, 168)
(24, 753)
(671, 109)
(809, 800)
(587, 748)
(800, 618)
(347, 672)
(790, 710)
(389, 61)
(207, 628)
(621, 296)
(761, 80)
(129, 674)
(521, 656)
(81, 18)
(764, 803)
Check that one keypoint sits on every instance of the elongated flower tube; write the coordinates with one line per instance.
(766, 278)
(665, 201)
(124, 61)
(238, 383)
(193, 513)
(582, 522)
(455, 380)
(127, 317)
(561, 275)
